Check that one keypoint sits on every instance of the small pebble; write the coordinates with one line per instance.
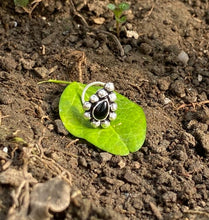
(166, 101)
(183, 57)
(121, 164)
(51, 127)
(105, 156)
(82, 161)
(99, 20)
(129, 26)
(136, 165)
(5, 149)
(133, 34)
(127, 48)
(199, 78)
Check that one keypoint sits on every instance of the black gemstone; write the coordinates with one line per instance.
(101, 110)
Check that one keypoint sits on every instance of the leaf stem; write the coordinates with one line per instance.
(118, 29)
(55, 81)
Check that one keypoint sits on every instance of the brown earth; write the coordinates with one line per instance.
(168, 178)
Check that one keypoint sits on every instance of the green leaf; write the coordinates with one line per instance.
(21, 3)
(117, 13)
(111, 7)
(126, 134)
(122, 19)
(124, 6)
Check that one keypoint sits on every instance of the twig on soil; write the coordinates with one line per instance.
(81, 59)
(30, 10)
(84, 22)
(71, 143)
(203, 213)
(156, 211)
(194, 104)
(122, 53)
(78, 14)
(4, 160)
(150, 11)
(136, 86)
(43, 49)
(66, 153)
(1, 117)
(7, 164)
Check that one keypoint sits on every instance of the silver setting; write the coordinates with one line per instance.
(87, 115)
(94, 98)
(105, 123)
(86, 105)
(102, 93)
(112, 116)
(101, 107)
(112, 97)
(109, 87)
(114, 107)
(95, 123)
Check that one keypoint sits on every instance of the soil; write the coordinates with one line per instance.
(163, 67)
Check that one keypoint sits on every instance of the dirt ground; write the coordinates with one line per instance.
(160, 62)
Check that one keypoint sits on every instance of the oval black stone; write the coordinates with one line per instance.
(101, 110)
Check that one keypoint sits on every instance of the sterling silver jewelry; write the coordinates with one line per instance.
(101, 107)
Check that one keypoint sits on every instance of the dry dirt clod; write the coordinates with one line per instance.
(60, 127)
(53, 195)
(15, 177)
(203, 139)
(42, 71)
(178, 88)
(5, 98)
(8, 62)
(127, 48)
(145, 48)
(82, 161)
(164, 83)
(131, 177)
(28, 64)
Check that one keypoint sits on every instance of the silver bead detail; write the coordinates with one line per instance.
(86, 105)
(87, 115)
(112, 96)
(95, 123)
(113, 107)
(105, 124)
(109, 87)
(94, 98)
(102, 93)
(112, 116)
